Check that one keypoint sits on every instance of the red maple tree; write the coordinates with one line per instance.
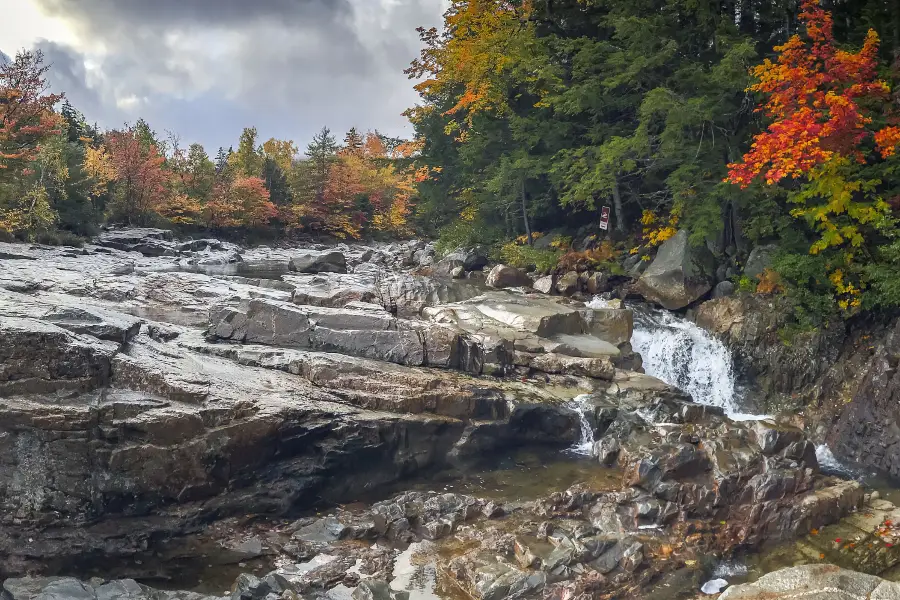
(813, 93)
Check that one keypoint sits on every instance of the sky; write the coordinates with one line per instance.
(208, 68)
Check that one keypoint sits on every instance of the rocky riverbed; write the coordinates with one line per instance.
(353, 421)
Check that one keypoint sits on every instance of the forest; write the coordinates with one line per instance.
(745, 122)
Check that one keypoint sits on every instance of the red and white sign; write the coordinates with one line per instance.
(604, 218)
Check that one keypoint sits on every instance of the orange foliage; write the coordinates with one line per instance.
(769, 282)
(250, 200)
(245, 202)
(141, 180)
(26, 110)
(605, 253)
(181, 209)
(812, 95)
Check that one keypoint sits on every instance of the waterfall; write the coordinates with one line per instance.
(686, 356)
(585, 444)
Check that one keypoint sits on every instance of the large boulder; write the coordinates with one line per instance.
(503, 276)
(815, 582)
(679, 275)
(759, 260)
(319, 262)
(470, 259)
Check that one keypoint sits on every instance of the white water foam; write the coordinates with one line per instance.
(585, 445)
(829, 464)
(686, 356)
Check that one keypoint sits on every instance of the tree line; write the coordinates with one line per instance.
(58, 173)
(743, 121)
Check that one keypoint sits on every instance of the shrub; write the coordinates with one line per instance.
(602, 257)
(526, 257)
(465, 234)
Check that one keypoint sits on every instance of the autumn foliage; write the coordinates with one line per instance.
(813, 95)
(824, 104)
(26, 111)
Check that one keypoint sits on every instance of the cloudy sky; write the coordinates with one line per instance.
(208, 68)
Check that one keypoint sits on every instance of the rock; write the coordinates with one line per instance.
(759, 260)
(568, 284)
(249, 587)
(472, 259)
(502, 276)
(458, 272)
(714, 586)
(597, 283)
(635, 265)
(723, 289)
(678, 276)
(815, 582)
(229, 258)
(546, 284)
(319, 262)
(67, 588)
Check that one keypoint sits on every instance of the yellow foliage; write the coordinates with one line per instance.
(99, 167)
(657, 231)
(523, 239)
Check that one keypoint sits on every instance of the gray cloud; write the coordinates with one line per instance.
(208, 68)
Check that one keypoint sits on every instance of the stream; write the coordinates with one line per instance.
(266, 424)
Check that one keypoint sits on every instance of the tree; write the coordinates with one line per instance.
(250, 199)
(26, 112)
(140, 185)
(247, 161)
(321, 152)
(353, 141)
(823, 103)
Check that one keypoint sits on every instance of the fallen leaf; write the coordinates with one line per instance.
(822, 555)
(837, 540)
(814, 532)
(690, 563)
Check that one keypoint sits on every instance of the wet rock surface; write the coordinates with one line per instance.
(815, 582)
(153, 389)
(842, 380)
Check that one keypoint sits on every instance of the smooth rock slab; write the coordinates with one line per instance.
(67, 588)
(815, 582)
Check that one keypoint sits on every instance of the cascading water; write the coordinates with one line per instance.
(684, 355)
(585, 444)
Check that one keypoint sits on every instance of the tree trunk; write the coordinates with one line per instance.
(617, 206)
(747, 25)
(896, 31)
(525, 215)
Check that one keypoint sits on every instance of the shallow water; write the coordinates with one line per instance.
(521, 475)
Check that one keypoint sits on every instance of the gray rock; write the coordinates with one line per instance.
(568, 284)
(319, 262)
(546, 284)
(759, 260)
(472, 259)
(503, 276)
(815, 582)
(723, 289)
(679, 275)
(597, 283)
(458, 272)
